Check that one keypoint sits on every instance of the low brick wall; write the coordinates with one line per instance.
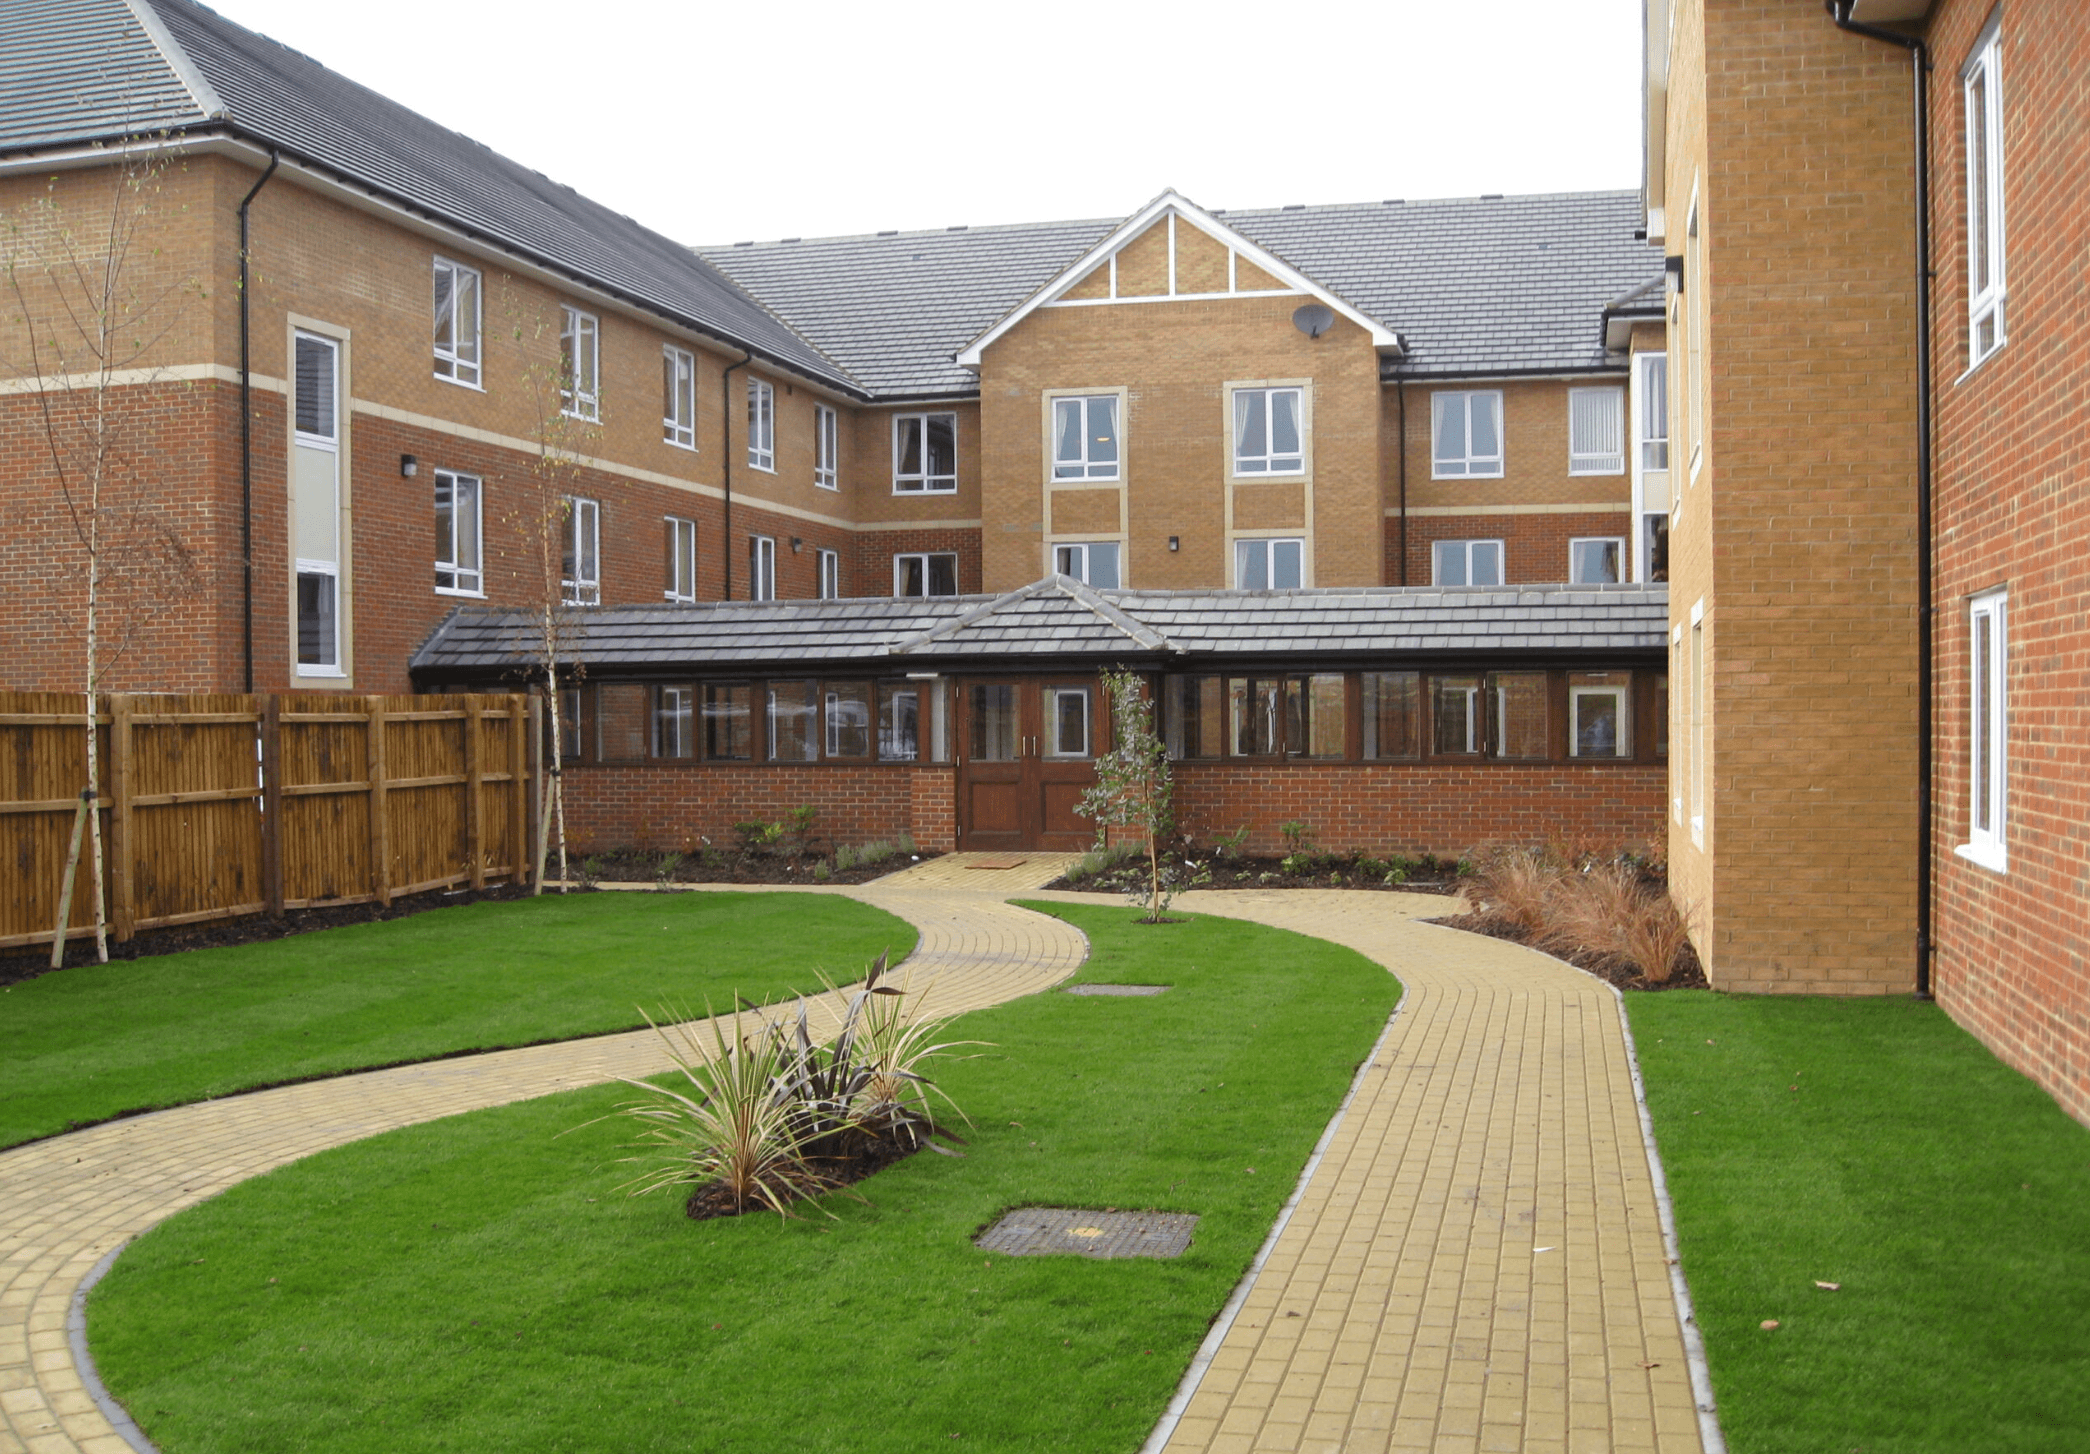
(1387, 807)
(645, 805)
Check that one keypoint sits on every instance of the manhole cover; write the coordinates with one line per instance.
(1045, 1231)
(998, 860)
(1117, 989)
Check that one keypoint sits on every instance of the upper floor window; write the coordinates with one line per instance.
(1269, 431)
(456, 322)
(1598, 561)
(1269, 565)
(761, 425)
(1466, 435)
(761, 568)
(457, 517)
(827, 451)
(1466, 563)
(830, 575)
(1093, 563)
(1654, 411)
(925, 454)
(1988, 659)
(1696, 319)
(1984, 100)
(318, 370)
(1085, 438)
(1596, 431)
(580, 366)
(580, 552)
(680, 537)
(932, 574)
(678, 396)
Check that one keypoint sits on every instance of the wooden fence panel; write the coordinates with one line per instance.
(219, 806)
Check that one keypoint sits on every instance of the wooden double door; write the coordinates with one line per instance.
(1026, 753)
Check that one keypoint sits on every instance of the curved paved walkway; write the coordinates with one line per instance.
(1476, 1263)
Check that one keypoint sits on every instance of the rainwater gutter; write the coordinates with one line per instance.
(246, 433)
(1926, 612)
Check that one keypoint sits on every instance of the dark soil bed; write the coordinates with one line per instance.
(28, 962)
(1689, 974)
(631, 865)
(1431, 877)
(873, 1155)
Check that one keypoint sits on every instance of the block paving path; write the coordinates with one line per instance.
(1476, 1263)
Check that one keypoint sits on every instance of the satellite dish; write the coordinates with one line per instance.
(1314, 319)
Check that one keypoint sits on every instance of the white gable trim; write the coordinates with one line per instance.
(1178, 209)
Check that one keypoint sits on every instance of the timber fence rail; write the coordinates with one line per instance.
(222, 806)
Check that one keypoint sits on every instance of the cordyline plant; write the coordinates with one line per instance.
(759, 1109)
(1135, 790)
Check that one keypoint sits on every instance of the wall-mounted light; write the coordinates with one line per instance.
(409, 466)
(797, 545)
(1673, 273)
(1174, 544)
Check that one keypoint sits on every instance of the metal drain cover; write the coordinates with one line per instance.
(1046, 1231)
(1117, 989)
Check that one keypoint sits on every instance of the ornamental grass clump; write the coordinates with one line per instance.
(777, 1114)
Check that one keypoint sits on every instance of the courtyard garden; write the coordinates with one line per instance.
(484, 1282)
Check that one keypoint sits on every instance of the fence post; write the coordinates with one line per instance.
(380, 815)
(535, 801)
(474, 811)
(272, 804)
(123, 908)
(519, 789)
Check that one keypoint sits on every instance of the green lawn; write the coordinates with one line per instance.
(476, 1284)
(82, 1045)
(1947, 1195)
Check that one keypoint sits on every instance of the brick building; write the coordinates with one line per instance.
(431, 398)
(1875, 221)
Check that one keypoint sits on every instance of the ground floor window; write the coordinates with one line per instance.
(1269, 565)
(1598, 561)
(1654, 540)
(1093, 563)
(319, 627)
(761, 568)
(1988, 733)
(672, 712)
(931, 574)
(1392, 710)
(1067, 719)
(795, 720)
(830, 575)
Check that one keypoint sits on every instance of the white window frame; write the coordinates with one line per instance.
(1465, 548)
(1266, 546)
(761, 567)
(1616, 542)
(924, 556)
(678, 397)
(679, 537)
(1072, 558)
(331, 667)
(1269, 464)
(465, 578)
(1984, 148)
(459, 362)
(1081, 468)
(1698, 734)
(827, 448)
(1622, 695)
(582, 529)
(1652, 428)
(1988, 727)
(830, 564)
(1583, 459)
(1697, 318)
(761, 426)
(580, 366)
(1467, 466)
(922, 482)
(327, 441)
(676, 707)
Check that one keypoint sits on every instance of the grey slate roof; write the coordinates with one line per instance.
(1473, 285)
(1057, 619)
(61, 87)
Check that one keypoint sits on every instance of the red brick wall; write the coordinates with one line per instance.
(1534, 546)
(2012, 961)
(1441, 808)
(875, 550)
(645, 805)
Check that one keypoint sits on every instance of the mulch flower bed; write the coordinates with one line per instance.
(632, 865)
(1689, 974)
(822, 1174)
(1330, 871)
(20, 964)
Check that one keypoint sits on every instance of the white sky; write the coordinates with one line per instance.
(719, 122)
